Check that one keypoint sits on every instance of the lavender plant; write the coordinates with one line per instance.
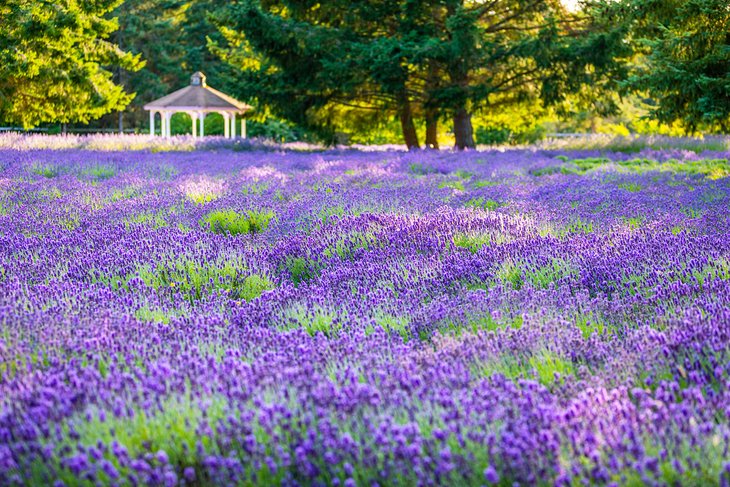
(364, 318)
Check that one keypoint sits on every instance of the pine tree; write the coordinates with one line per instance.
(55, 60)
(683, 58)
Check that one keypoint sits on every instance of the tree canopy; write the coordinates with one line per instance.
(55, 60)
(683, 50)
(328, 67)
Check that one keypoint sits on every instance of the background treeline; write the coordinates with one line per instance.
(418, 72)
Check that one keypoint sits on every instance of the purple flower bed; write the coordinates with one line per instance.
(348, 318)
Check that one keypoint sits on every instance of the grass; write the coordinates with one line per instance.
(545, 276)
(485, 184)
(634, 222)
(631, 187)
(457, 185)
(589, 324)
(302, 269)
(473, 242)
(712, 169)
(510, 274)
(231, 222)
(516, 274)
(313, 320)
(347, 246)
(544, 365)
(391, 324)
(155, 315)
(194, 279)
(125, 193)
(100, 172)
(46, 170)
(483, 203)
(327, 213)
(155, 219)
(419, 169)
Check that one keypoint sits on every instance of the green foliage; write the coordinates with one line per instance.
(231, 222)
(302, 269)
(420, 170)
(332, 62)
(347, 245)
(193, 279)
(543, 277)
(484, 203)
(543, 364)
(546, 171)
(630, 187)
(126, 193)
(510, 274)
(391, 324)
(100, 172)
(55, 60)
(473, 242)
(683, 58)
(46, 170)
(457, 185)
(312, 320)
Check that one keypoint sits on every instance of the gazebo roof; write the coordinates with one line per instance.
(198, 96)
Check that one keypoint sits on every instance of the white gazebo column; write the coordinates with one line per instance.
(152, 123)
(168, 129)
(226, 125)
(202, 123)
(243, 128)
(233, 125)
(194, 119)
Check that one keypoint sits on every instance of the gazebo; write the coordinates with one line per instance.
(198, 100)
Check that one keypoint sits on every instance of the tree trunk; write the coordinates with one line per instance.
(432, 129)
(463, 131)
(410, 137)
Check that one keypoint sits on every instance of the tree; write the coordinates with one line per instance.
(683, 58)
(313, 57)
(55, 59)
(511, 51)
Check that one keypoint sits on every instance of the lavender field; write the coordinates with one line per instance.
(345, 318)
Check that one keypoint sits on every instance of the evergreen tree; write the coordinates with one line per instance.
(683, 58)
(55, 59)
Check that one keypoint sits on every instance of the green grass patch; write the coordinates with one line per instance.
(302, 269)
(631, 187)
(473, 242)
(542, 365)
(125, 193)
(313, 320)
(46, 170)
(419, 169)
(155, 219)
(399, 325)
(464, 174)
(457, 185)
(100, 172)
(634, 222)
(231, 222)
(484, 203)
(346, 246)
(194, 279)
(484, 183)
(546, 171)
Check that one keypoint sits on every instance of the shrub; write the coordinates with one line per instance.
(231, 222)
